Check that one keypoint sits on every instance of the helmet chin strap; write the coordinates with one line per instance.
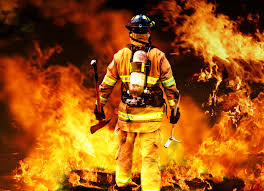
(142, 42)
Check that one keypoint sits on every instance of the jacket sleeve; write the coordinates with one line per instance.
(168, 82)
(108, 82)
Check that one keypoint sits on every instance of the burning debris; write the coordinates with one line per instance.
(103, 180)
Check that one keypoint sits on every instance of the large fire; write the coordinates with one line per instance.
(55, 109)
(235, 61)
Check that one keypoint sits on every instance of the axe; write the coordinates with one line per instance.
(171, 138)
(103, 122)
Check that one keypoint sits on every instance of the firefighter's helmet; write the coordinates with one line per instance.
(140, 24)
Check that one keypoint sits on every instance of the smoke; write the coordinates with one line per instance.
(7, 11)
(102, 28)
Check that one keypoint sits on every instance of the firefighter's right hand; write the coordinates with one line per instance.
(175, 119)
(99, 115)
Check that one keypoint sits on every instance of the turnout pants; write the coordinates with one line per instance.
(150, 171)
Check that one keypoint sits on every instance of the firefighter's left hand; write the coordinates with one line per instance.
(175, 119)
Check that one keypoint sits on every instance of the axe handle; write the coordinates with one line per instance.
(97, 96)
(98, 103)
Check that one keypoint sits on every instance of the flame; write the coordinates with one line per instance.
(235, 61)
(52, 106)
(55, 110)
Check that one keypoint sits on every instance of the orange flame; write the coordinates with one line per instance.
(56, 111)
(234, 147)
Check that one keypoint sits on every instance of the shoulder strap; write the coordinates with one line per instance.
(147, 67)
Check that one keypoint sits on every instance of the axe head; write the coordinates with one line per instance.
(99, 125)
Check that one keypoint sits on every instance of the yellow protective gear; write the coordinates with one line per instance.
(142, 121)
(150, 172)
(160, 74)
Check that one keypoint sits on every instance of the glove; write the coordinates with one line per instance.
(99, 115)
(174, 119)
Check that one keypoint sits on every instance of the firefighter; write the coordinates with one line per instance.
(142, 69)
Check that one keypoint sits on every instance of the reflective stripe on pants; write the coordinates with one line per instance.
(150, 172)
